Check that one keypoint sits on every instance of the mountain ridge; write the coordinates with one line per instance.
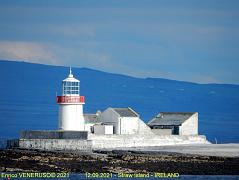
(91, 69)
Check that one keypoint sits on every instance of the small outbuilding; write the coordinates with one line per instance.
(178, 123)
(103, 129)
(90, 121)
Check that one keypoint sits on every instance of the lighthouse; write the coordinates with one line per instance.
(71, 105)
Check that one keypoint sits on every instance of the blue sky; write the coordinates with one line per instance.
(190, 40)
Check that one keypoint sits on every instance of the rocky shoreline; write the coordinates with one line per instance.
(19, 160)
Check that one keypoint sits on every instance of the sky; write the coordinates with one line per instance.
(188, 40)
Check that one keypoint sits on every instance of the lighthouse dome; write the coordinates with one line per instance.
(71, 86)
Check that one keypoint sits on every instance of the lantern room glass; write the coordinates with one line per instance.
(71, 88)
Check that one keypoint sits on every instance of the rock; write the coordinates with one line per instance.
(2, 169)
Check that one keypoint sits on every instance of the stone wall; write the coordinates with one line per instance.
(56, 144)
(96, 142)
(162, 131)
(54, 134)
(124, 141)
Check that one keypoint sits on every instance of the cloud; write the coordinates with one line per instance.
(82, 55)
(27, 51)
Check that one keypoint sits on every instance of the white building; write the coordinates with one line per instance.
(166, 123)
(71, 105)
(124, 120)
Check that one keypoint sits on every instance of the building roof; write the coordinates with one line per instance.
(91, 118)
(126, 112)
(71, 79)
(170, 118)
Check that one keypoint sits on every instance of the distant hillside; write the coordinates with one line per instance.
(28, 93)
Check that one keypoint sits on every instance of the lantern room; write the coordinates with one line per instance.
(70, 86)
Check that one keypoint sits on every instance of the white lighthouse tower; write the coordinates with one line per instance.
(71, 105)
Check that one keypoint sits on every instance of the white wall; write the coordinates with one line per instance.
(71, 117)
(88, 126)
(108, 129)
(190, 126)
(144, 128)
(129, 125)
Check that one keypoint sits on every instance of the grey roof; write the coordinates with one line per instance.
(91, 118)
(126, 112)
(170, 118)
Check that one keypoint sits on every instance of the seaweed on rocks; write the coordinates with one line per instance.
(116, 162)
